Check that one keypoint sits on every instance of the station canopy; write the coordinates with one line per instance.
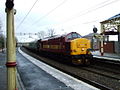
(116, 16)
(110, 26)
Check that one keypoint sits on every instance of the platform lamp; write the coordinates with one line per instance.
(93, 37)
(101, 40)
(95, 29)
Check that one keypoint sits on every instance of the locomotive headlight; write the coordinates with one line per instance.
(82, 49)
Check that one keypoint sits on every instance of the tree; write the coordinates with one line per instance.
(41, 34)
(16, 40)
(1, 28)
(51, 32)
(1, 36)
(2, 41)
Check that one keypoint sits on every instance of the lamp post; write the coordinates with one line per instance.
(93, 38)
(101, 37)
(11, 50)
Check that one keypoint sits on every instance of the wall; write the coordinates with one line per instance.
(109, 47)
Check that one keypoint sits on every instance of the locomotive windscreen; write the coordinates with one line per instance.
(73, 35)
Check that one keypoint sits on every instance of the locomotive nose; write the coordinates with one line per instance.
(79, 46)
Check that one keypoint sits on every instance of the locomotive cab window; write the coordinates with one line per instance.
(69, 37)
(79, 36)
(74, 35)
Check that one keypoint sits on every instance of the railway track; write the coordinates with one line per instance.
(104, 72)
(100, 77)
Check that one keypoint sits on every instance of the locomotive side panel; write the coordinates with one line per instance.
(55, 45)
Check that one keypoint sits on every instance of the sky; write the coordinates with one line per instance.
(63, 16)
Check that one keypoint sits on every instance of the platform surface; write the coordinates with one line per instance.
(35, 75)
(107, 56)
(3, 71)
(40, 76)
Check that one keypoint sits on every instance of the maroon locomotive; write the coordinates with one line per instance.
(70, 45)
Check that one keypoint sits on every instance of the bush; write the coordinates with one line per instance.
(1, 41)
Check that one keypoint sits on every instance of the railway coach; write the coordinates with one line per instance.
(70, 45)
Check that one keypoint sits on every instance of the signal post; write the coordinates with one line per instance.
(11, 50)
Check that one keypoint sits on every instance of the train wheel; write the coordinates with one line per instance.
(77, 61)
(87, 62)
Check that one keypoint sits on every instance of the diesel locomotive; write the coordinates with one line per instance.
(70, 45)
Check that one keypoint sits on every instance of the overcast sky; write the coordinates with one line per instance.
(63, 16)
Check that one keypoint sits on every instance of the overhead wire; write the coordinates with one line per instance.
(98, 6)
(84, 12)
(27, 14)
(42, 16)
(101, 5)
(49, 12)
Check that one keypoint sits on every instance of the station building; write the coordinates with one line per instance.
(109, 27)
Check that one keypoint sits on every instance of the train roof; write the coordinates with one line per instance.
(58, 36)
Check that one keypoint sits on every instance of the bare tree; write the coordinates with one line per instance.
(41, 34)
(0, 28)
(1, 37)
(51, 32)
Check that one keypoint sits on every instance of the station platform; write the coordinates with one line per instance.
(107, 56)
(35, 75)
(3, 71)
